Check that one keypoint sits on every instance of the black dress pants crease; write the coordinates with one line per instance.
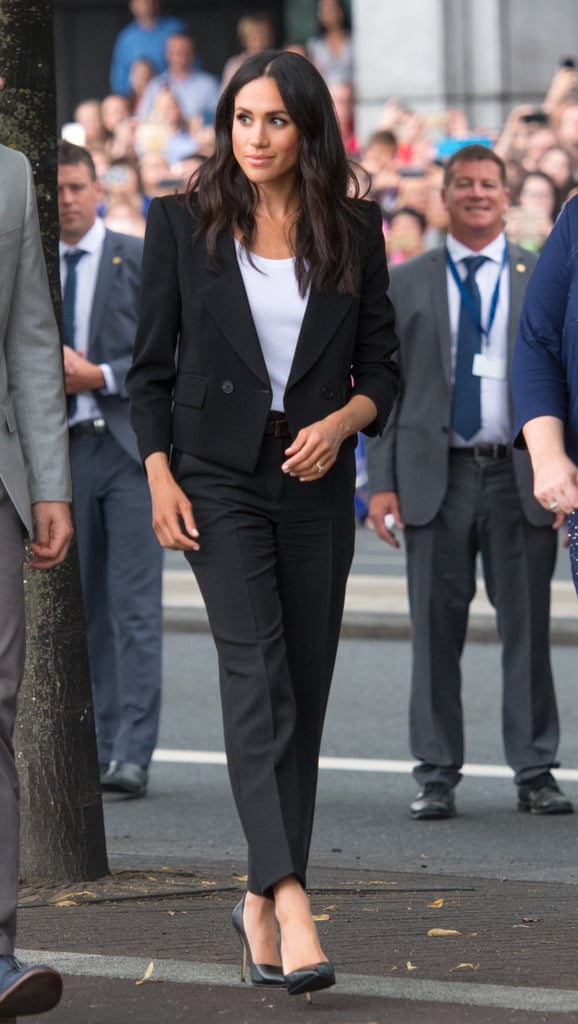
(272, 568)
(481, 513)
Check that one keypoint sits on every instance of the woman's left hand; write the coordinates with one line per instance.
(314, 451)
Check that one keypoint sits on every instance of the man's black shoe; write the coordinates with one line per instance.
(434, 800)
(125, 777)
(543, 796)
(27, 990)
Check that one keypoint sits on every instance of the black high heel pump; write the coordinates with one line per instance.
(261, 974)
(310, 979)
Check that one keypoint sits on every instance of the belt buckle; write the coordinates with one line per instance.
(279, 427)
(486, 450)
(99, 426)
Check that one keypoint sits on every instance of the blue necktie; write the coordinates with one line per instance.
(68, 310)
(466, 407)
(69, 295)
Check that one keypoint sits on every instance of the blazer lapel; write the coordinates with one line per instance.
(519, 272)
(226, 299)
(109, 260)
(323, 315)
(437, 281)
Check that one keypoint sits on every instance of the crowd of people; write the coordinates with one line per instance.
(156, 126)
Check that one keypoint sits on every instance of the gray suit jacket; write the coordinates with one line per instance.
(33, 429)
(112, 329)
(411, 457)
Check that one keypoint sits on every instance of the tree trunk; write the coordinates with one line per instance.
(62, 830)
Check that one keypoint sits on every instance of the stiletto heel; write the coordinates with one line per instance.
(310, 979)
(261, 974)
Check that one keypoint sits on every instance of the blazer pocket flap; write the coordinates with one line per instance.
(190, 390)
(9, 418)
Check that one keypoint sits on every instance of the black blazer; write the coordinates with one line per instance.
(213, 400)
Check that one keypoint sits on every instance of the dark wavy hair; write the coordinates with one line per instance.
(325, 238)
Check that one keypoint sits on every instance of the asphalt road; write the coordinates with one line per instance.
(362, 816)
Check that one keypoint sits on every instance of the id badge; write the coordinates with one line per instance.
(483, 366)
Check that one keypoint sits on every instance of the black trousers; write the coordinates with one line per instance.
(481, 513)
(274, 559)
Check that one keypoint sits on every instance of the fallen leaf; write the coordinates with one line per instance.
(442, 932)
(67, 903)
(520, 926)
(171, 913)
(147, 974)
(461, 967)
(532, 920)
(87, 892)
(241, 878)
(332, 907)
(410, 967)
(321, 917)
(436, 904)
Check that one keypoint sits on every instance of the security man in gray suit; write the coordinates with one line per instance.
(445, 470)
(34, 500)
(120, 560)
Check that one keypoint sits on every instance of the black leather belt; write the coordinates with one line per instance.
(485, 451)
(88, 428)
(277, 426)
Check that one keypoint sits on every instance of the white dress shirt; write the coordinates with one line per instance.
(496, 425)
(86, 275)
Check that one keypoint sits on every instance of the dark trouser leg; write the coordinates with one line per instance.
(519, 562)
(121, 573)
(134, 594)
(11, 666)
(272, 568)
(441, 581)
(92, 555)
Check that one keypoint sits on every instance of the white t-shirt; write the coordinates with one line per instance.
(277, 309)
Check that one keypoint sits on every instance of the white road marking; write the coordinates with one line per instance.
(354, 764)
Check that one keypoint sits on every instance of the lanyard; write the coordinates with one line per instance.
(467, 299)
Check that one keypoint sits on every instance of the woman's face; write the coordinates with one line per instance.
(330, 14)
(556, 163)
(537, 195)
(265, 139)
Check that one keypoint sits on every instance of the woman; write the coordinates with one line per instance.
(545, 375)
(331, 50)
(531, 219)
(557, 163)
(273, 283)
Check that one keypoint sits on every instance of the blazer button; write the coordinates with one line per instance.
(327, 391)
(228, 387)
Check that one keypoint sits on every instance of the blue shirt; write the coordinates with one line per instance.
(135, 43)
(197, 94)
(545, 363)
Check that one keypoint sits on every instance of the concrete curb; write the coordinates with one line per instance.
(376, 608)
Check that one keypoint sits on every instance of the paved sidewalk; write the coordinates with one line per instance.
(375, 606)
(158, 946)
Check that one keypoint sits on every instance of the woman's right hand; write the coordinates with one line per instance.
(173, 519)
